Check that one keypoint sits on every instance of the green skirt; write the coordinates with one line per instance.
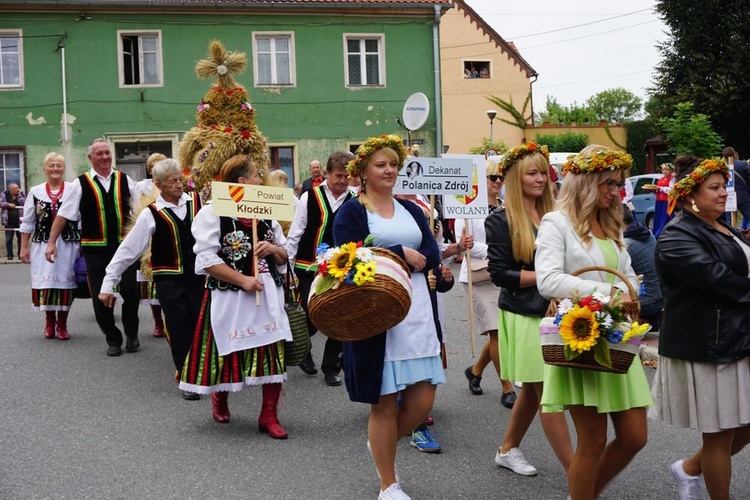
(520, 348)
(607, 392)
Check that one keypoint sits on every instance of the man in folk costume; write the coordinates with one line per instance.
(313, 225)
(103, 198)
(164, 226)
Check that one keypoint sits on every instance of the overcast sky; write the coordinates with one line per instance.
(576, 63)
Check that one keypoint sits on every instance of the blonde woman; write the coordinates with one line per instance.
(586, 229)
(278, 178)
(406, 358)
(511, 232)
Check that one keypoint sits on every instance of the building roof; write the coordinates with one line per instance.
(507, 47)
(235, 3)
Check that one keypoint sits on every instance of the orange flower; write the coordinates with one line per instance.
(531, 146)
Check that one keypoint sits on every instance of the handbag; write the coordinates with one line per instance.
(479, 271)
(82, 290)
(296, 350)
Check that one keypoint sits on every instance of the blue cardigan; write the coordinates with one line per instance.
(363, 360)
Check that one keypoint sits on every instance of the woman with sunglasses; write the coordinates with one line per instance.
(586, 229)
(474, 239)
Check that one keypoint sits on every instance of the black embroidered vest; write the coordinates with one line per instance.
(172, 243)
(103, 213)
(44, 220)
(236, 250)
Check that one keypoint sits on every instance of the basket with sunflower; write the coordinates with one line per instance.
(593, 332)
(359, 291)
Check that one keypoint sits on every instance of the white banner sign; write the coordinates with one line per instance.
(731, 205)
(473, 205)
(252, 202)
(434, 176)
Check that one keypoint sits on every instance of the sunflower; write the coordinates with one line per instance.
(579, 329)
(341, 263)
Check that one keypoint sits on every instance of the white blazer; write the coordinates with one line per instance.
(559, 252)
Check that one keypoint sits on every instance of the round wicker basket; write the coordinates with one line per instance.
(621, 355)
(352, 312)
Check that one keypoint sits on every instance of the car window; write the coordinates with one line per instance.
(640, 183)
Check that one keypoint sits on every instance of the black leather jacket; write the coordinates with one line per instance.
(704, 280)
(505, 271)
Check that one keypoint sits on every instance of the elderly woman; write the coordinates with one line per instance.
(703, 377)
(474, 239)
(406, 358)
(52, 284)
(238, 343)
(586, 229)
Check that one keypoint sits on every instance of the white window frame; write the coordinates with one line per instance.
(113, 139)
(380, 37)
(160, 55)
(292, 59)
(20, 84)
(21, 152)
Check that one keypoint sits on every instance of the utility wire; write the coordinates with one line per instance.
(588, 36)
(579, 25)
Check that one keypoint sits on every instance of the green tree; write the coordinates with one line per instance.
(705, 63)
(556, 113)
(616, 105)
(569, 142)
(688, 132)
(500, 147)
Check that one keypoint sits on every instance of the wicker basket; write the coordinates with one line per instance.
(621, 355)
(353, 313)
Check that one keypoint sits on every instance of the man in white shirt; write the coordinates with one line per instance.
(313, 225)
(103, 198)
(164, 226)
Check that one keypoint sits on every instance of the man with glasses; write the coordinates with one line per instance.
(165, 227)
(103, 198)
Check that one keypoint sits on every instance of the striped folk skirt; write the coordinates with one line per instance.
(52, 299)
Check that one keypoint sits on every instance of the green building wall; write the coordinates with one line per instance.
(317, 116)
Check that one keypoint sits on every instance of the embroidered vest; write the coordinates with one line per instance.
(103, 213)
(43, 224)
(172, 242)
(236, 250)
(320, 217)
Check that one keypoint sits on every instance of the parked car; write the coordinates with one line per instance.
(644, 201)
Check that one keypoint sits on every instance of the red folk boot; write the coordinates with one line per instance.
(49, 327)
(158, 321)
(268, 420)
(62, 325)
(220, 409)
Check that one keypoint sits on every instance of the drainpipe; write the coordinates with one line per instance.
(66, 146)
(531, 91)
(438, 96)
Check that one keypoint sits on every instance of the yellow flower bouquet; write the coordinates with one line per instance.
(593, 332)
(358, 291)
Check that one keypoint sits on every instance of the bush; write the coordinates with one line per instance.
(638, 133)
(564, 143)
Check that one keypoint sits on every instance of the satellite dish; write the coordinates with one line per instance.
(416, 111)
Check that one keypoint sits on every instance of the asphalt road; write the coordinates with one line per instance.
(79, 425)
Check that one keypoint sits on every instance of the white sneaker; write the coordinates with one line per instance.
(515, 461)
(688, 486)
(393, 492)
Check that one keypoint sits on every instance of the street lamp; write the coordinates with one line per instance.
(491, 114)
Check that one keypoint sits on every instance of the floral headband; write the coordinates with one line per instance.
(364, 151)
(519, 153)
(690, 183)
(597, 162)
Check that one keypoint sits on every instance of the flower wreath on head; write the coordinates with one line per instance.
(691, 182)
(600, 161)
(517, 154)
(355, 167)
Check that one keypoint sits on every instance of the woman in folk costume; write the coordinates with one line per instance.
(238, 343)
(586, 229)
(52, 284)
(147, 193)
(406, 358)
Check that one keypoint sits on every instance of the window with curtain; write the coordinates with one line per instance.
(365, 60)
(11, 59)
(274, 58)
